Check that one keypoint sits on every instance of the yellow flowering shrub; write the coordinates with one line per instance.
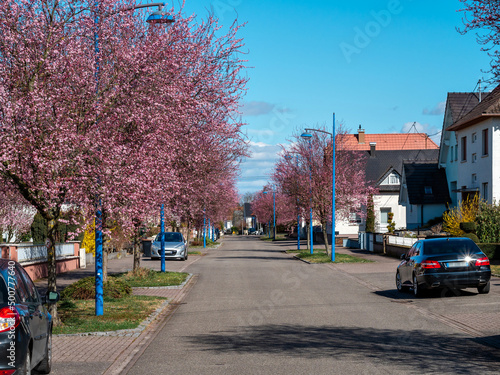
(465, 212)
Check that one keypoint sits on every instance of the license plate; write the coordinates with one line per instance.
(169, 252)
(457, 264)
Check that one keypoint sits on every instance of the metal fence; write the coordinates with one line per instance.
(31, 253)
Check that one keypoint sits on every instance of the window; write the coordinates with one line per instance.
(474, 178)
(456, 152)
(485, 142)
(428, 189)
(464, 148)
(384, 215)
(474, 137)
(393, 179)
(452, 154)
(485, 191)
(474, 158)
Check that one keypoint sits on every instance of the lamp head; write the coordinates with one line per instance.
(159, 17)
(306, 135)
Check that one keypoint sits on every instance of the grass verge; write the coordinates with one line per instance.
(149, 278)
(78, 316)
(194, 252)
(495, 269)
(322, 257)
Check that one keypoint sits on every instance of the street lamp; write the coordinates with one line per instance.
(308, 137)
(157, 17)
(333, 179)
(274, 212)
(289, 157)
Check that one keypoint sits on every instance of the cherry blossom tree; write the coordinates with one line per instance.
(16, 215)
(484, 16)
(304, 172)
(163, 109)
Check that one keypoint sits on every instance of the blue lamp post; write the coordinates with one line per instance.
(157, 17)
(204, 230)
(162, 235)
(333, 180)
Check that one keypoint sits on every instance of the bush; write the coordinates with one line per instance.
(85, 289)
(488, 220)
(492, 250)
(472, 236)
(466, 211)
(370, 216)
(468, 227)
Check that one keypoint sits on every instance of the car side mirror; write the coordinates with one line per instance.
(51, 298)
(402, 257)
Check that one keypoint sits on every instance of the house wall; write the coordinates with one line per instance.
(482, 166)
(431, 211)
(344, 227)
(452, 168)
(495, 155)
(391, 201)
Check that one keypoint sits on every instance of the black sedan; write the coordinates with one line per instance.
(455, 263)
(25, 324)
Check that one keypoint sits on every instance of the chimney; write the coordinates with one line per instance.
(361, 136)
(372, 149)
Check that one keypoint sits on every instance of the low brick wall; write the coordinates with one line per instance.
(37, 268)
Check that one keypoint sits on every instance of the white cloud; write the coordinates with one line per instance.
(436, 111)
(256, 108)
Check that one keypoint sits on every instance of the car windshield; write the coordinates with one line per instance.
(170, 237)
(450, 247)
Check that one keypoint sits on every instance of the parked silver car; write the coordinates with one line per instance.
(175, 246)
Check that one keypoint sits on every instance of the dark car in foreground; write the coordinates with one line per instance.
(455, 263)
(175, 246)
(25, 323)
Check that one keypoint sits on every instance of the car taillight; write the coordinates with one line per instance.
(430, 264)
(482, 261)
(7, 372)
(9, 318)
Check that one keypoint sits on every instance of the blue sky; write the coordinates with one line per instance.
(381, 64)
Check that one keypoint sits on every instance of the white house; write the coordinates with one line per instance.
(478, 144)
(458, 104)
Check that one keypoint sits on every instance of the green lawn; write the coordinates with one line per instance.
(322, 257)
(495, 269)
(78, 316)
(148, 278)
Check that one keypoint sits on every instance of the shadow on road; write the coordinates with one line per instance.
(417, 350)
(431, 294)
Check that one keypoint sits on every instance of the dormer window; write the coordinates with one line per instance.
(428, 190)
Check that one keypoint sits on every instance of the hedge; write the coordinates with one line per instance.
(492, 250)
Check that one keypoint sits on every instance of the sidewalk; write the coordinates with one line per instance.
(109, 353)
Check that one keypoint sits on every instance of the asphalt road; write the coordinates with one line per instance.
(255, 310)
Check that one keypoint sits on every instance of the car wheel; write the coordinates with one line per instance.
(45, 365)
(484, 289)
(417, 291)
(399, 283)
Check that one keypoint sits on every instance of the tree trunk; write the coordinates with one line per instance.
(137, 253)
(104, 264)
(325, 238)
(52, 267)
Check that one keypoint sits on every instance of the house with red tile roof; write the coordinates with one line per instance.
(386, 154)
